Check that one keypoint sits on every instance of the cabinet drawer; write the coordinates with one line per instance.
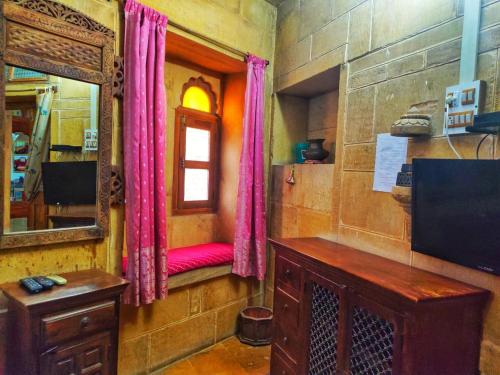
(286, 310)
(287, 340)
(289, 275)
(280, 366)
(72, 323)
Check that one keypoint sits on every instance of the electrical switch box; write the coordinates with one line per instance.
(462, 102)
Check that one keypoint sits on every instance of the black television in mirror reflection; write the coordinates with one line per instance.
(69, 183)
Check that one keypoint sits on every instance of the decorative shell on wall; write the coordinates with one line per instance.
(416, 122)
(412, 126)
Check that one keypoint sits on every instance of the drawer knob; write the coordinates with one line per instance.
(285, 340)
(288, 273)
(285, 306)
(84, 322)
(283, 372)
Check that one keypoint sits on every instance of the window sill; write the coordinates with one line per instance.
(196, 276)
(193, 211)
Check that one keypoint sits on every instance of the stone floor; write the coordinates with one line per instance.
(229, 357)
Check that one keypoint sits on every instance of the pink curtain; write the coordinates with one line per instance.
(144, 153)
(250, 232)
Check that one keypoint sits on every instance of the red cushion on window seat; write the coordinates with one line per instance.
(183, 259)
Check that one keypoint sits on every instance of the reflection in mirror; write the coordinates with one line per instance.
(51, 125)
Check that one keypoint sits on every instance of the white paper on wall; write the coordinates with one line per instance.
(390, 154)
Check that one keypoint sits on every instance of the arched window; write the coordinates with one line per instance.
(196, 98)
(197, 94)
(196, 149)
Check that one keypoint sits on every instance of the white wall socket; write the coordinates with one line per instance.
(462, 102)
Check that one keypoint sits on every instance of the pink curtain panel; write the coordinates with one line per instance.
(144, 153)
(250, 232)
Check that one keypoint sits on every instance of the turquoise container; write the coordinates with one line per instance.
(300, 148)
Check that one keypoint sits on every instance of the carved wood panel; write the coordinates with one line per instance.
(64, 13)
(118, 78)
(117, 193)
(39, 43)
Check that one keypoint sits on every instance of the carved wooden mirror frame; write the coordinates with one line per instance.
(52, 38)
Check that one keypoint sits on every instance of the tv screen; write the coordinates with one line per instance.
(456, 211)
(69, 183)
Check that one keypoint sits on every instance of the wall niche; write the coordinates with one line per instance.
(306, 110)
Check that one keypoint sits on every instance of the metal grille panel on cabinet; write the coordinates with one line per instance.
(324, 328)
(372, 344)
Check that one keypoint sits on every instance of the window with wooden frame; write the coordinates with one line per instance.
(196, 151)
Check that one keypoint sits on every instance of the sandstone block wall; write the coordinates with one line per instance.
(395, 53)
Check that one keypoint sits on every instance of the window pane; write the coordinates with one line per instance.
(195, 184)
(197, 144)
(196, 98)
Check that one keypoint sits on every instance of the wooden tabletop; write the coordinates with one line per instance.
(80, 283)
(412, 283)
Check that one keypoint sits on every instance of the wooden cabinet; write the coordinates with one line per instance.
(72, 329)
(90, 356)
(341, 311)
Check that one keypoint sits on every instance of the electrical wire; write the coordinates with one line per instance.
(479, 145)
(447, 132)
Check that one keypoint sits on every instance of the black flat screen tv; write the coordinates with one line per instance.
(456, 211)
(69, 183)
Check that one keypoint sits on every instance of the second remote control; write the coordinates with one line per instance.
(43, 281)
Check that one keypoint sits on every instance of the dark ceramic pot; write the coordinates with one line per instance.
(316, 150)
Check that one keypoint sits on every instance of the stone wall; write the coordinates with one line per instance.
(395, 53)
(322, 120)
(190, 318)
(248, 25)
(303, 209)
(70, 116)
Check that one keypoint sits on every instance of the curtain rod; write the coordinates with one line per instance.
(208, 39)
(187, 30)
(224, 46)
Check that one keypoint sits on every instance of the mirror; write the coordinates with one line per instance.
(52, 152)
(56, 117)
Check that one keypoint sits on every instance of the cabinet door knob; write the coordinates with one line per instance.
(288, 273)
(84, 322)
(283, 372)
(285, 340)
(285, 306)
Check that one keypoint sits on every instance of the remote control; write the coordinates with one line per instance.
(31, 285)
(58, 280)
(44, 282)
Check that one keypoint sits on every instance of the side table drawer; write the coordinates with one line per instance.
(72, 323)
